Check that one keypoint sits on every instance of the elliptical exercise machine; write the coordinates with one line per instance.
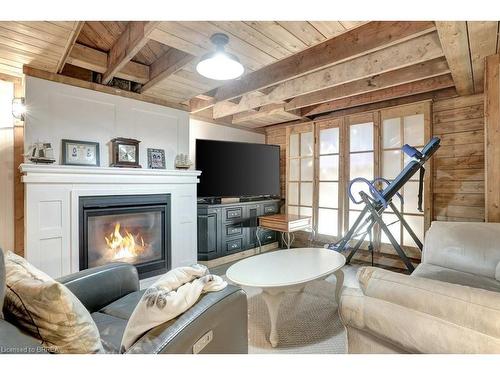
(380, 198)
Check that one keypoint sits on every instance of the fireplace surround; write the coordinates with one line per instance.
(127, 228)
(52, 220)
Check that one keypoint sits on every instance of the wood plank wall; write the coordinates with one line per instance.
(458, 191)
(492, 137)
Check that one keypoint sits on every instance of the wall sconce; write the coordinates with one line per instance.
(18, 108)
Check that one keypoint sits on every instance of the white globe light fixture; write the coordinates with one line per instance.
(220, 65)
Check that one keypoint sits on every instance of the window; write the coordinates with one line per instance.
(405, 125)
(361, 150)
(300, 171)
(329, 178)
(324, 156)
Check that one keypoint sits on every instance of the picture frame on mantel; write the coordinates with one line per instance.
(125, 153)
(80, 153)
(156, 158)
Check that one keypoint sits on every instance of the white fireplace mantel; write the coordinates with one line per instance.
(52, 195)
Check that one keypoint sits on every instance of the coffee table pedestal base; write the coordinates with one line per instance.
(274, 296)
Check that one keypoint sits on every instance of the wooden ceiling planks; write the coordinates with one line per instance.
(483, 39)
(455, 44)
(466, 44)
(407, 53)
(163, 64)
(39, 44)
(365, 39)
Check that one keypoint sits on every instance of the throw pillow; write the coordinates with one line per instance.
(167, 298)
(48, 310)
(497, 272)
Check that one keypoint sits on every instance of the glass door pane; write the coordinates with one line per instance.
(397, 131)
(329, 180)
(361, 164)
(300, 173)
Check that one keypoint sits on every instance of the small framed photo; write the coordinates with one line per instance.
(80, 153)
(156, 158)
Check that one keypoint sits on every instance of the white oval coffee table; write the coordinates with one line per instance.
(286, 271)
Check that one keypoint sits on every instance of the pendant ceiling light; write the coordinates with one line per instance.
(220, 65)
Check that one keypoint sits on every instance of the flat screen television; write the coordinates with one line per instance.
(236, 169)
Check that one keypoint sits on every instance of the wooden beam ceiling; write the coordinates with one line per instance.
(455, 44)
(172, 61)
(97, 61)
(130, 42)
(408, 74)
(266, 111)
(69, 45)
(431, 95)
(364, 39)
(410, 52)
(407, 89)
(292, 68)
(483, 39)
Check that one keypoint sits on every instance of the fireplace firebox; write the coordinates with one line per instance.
(126, 228)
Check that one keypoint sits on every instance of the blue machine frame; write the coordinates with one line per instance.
(380, 199)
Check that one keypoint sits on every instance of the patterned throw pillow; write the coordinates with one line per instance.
(48, 310)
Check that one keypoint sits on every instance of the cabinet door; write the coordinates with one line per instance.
(209, 235)
(252, 214)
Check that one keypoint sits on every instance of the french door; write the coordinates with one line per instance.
(323, 157)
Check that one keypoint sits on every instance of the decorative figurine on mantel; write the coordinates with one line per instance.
(182, 162)
(41, 153)
(125, 152)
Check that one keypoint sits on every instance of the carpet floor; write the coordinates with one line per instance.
(308, 322)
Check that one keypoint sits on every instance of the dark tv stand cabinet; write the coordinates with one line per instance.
(225, 229)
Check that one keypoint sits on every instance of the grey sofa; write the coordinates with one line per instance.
(111, 292)
(449, 304)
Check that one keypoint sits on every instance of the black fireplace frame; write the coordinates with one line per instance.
(119, 204)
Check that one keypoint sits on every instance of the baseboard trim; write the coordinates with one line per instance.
(238, 256)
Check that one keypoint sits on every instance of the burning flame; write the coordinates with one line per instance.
(124, 246)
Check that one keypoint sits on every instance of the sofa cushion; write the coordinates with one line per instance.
(471, 309)
(111, 331)
(466, 247)
(15, 341)
(47, 309)
(2, 282)
(430, 271)
(123, 307)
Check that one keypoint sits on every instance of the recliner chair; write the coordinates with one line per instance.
(111, 292)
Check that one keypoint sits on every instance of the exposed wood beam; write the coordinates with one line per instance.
(172, 61)
(269, 110)
(97, 61)
(407, 89)
(210, 120)
(408, 74)
(69, 44)
(33, 72)
(455, 43)
(364, 39)
(433, 95)
(198, 104)
(404, 54)
(483, 36)
(134, 37)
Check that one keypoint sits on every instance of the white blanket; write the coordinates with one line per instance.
(167, 298)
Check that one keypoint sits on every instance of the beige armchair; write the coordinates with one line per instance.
(450, 304)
